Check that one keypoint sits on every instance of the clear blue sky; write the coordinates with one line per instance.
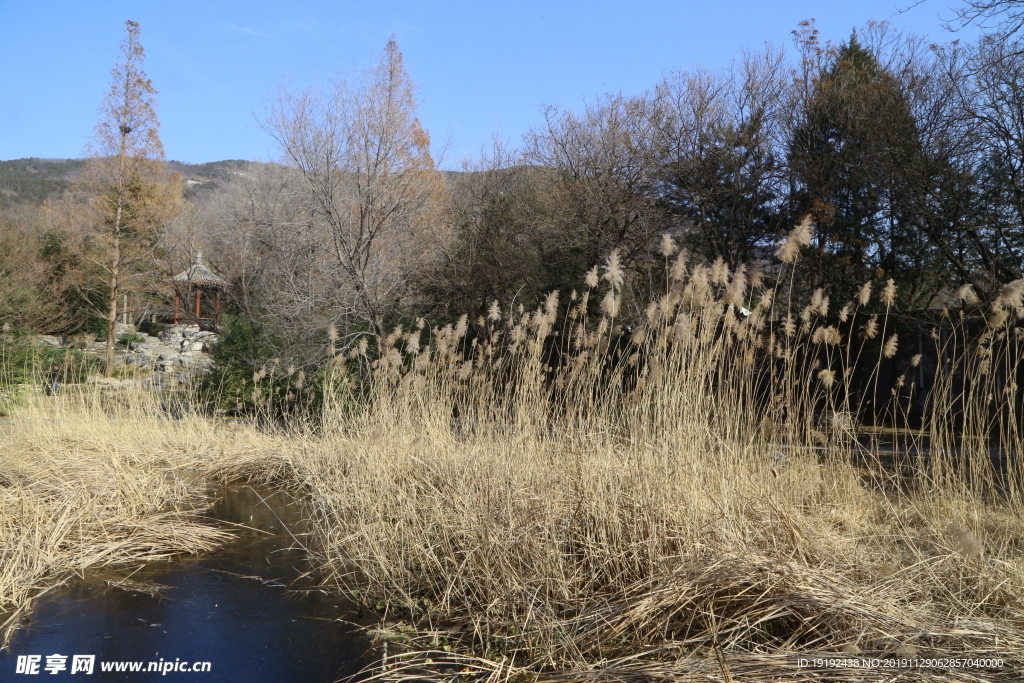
(479, 65)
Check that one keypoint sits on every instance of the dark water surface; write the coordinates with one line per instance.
(244, 609)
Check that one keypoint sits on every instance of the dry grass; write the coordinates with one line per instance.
(671, 506)
(94, 479)
(683, 501)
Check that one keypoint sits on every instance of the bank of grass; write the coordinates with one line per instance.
(561, 498)
(91, 478)
(687, 500)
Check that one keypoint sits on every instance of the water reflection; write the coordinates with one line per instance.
(243, 609)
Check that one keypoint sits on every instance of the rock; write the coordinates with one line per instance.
(111, 382)
(50, 340)
(196, 346)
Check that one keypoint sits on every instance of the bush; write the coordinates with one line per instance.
(129, 338)
(23, 361)
(249, 377)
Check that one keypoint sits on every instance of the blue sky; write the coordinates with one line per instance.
(480, 66)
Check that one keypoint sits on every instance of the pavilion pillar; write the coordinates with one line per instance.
(216, 311)
(177, 305)
(198, 292)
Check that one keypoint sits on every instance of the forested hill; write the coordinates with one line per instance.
(32, 181)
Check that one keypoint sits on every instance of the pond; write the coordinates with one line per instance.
(244, 613)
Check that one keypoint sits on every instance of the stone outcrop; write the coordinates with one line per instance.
(181, 353)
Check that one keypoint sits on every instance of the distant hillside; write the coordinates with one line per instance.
(208, 177)
(32, 181)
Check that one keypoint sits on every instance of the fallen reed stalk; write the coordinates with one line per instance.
(93, 479)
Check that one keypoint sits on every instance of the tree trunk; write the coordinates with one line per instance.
(115, 271)
(108, 371)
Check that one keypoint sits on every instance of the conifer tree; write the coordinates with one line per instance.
(855, 157)
(129, 193)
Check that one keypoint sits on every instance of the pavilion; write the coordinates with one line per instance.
(193, 284)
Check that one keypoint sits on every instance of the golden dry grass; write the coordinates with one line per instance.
(684, 501)
(671, 506)
(92, 479)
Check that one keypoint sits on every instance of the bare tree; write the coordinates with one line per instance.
(501, 247)
(1004, 18)
(718, 141)
(370, 179)
(992, 244)
(601, 196)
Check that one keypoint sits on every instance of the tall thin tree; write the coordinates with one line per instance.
(130, 190)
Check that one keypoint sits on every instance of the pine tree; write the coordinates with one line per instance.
(855, 157)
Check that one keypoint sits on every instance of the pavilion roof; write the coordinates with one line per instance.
(199, 274)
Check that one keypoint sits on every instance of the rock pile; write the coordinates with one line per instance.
(179, 354)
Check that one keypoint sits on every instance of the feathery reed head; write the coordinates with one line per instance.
(799, 236)
(870, 329)
(1011, 295)
(678, 271)
(668, 245)
(889, 293)
(864, 295)
(613, 270)
(889, 350)
(967, 295)
(737, 288)
(720, 272)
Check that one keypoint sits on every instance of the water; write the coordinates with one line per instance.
(244, 609)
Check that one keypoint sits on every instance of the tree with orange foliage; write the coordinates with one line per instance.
(125, 194)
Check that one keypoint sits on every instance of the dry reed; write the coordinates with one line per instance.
(559, 498)
(662, 505)
(98, 478)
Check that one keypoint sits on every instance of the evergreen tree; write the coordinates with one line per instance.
(858, 164)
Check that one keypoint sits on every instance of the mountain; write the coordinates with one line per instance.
(32, 181)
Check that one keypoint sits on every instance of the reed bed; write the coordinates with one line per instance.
(92, 479)
(562, 498)
(559, 497)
